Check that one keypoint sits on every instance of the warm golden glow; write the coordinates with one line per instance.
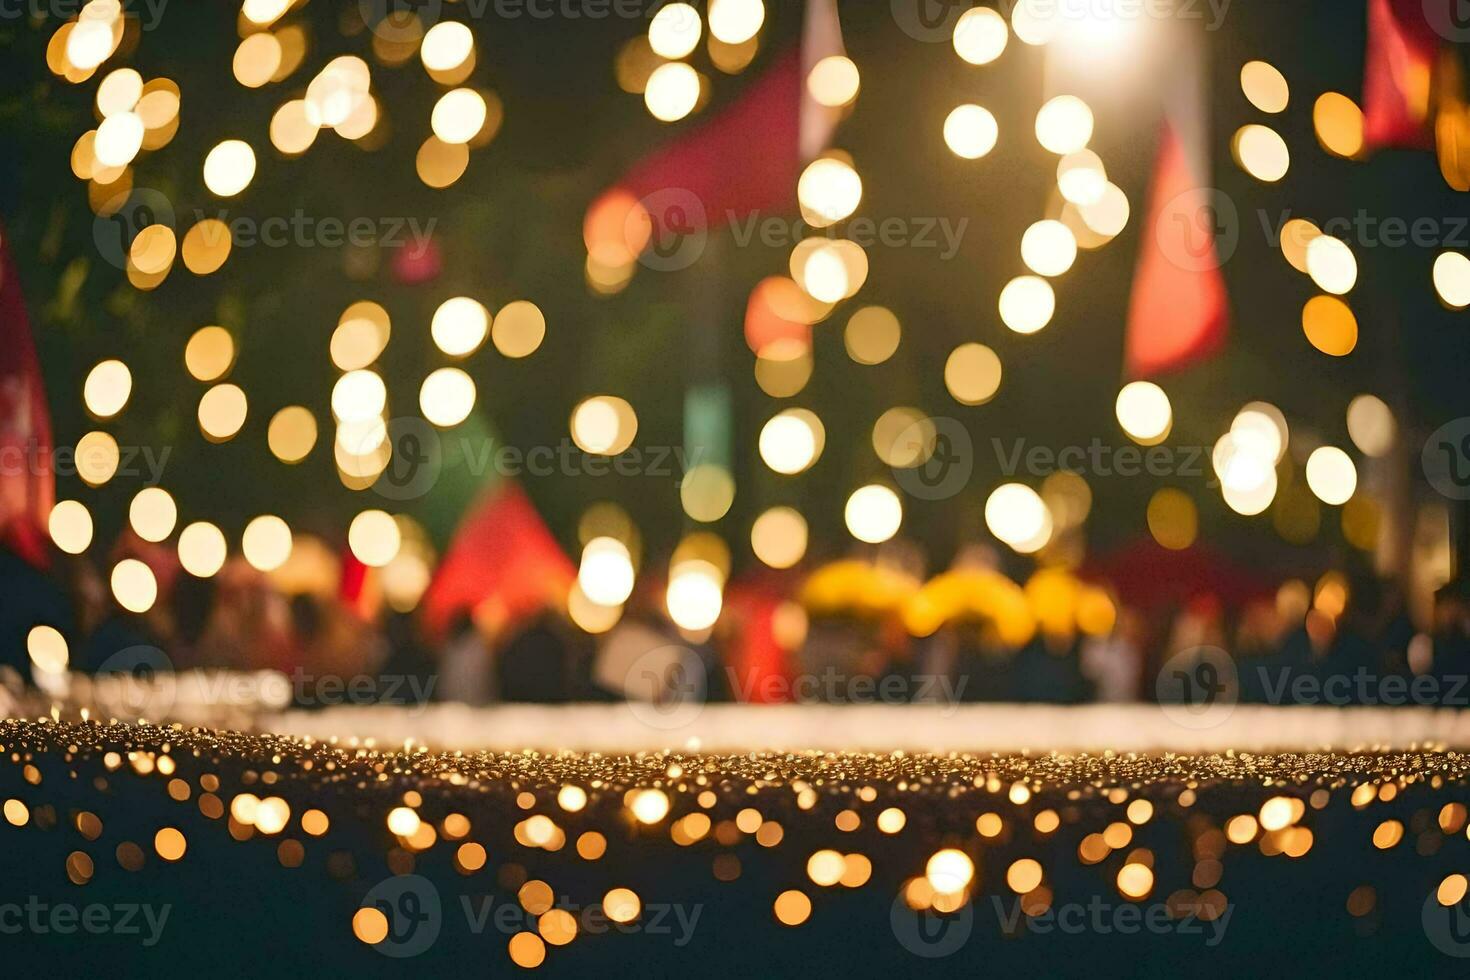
(153, 514)
(374, 538)
(1331, 475)
(1064, 125)
(1027, 304)
(1261, 152)
(980, 35)
(707, 492)
(133, 585)
(70, 526)
(107, 388)
(460, 326)
(229, 168)
(202, 549)
(519, 329)
(972, 374)
(1452, 279)
(833, 81)
(1339, 124)
(736, 21)
(447, 397)
(292, 434)
(210, 353)
(779, 537)
(1264, 86)
(222, 412)
(1144, 412)
(1330, 325)
(1017, 515)
(1331, 265)
(873, 513)
(672, 91)
(970, 131)
(266, 543)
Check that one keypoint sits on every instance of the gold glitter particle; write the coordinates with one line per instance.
(793, 907)
(170, 844)
(79, 867)
(527, 950)
(370, 925)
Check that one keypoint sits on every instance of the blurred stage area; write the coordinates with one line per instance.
(938, 729)
(260, 702)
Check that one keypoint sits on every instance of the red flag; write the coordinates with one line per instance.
(746, 158)
(1179, 311)
(1398, 73)
(27, 483)
(502, 555)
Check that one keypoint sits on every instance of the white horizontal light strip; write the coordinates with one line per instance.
(622, 728)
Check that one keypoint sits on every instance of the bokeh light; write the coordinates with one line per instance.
(202, 549)
(873, 513)
(447, 397)
(70, 526)
(972, 374)
(266, 543)
(1331, 475)
(790, 441)
(672, 91)
(153, 514)
(1261, 152)
(970, 131)
(107, 388)
(1371, 425)
(518, 329)
(1027, 304)
(1064, 125)
(1144, 412)
(229, 168)
(1452, 279)
(460, 326)
(1264, 86)
(779, 537)
(980, 35)
(1018, 516)
(222, 412)
(133, 585)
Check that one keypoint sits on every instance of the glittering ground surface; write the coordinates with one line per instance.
(166, 851)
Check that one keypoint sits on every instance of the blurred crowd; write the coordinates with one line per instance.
(855, 630)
